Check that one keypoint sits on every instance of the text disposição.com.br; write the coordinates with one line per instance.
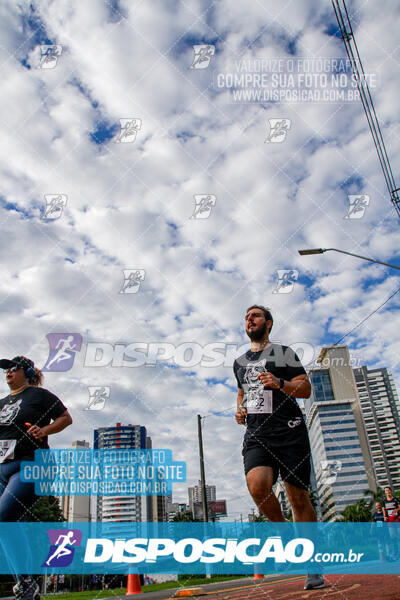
(337, 557)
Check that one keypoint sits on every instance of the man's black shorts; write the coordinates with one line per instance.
(291, 458)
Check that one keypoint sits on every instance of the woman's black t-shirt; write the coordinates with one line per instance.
(33, 405)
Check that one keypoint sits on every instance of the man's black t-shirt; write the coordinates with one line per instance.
(391, 506)
(33, 405)
(270, 413)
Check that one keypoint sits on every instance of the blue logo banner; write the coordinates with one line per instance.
(186, 548)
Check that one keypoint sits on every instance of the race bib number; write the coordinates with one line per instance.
(259, 403)
(7, 448)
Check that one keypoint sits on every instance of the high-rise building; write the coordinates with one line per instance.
(118, 509)
(76, 508)
(156, 506)
(174, 509)
(339, 443)
(280, 493)
(196, 496)
(381, 410)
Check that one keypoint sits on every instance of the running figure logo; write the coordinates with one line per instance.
(202, 55)
(98, 395)
(286, 280)
(330, 470)
(203, 205)
(61, 553)
(278, 129)
(49, 55)
(128, 131)
(132, 280)
(63, 347)
(357, 205)
(55, 204)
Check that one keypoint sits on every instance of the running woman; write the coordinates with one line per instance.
(27, 416)
(270, 377)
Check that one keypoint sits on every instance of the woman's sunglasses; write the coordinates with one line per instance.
(14, 368)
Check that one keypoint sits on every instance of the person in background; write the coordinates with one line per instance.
(392, 505)
(379, 517)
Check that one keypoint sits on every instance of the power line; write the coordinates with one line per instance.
(346, 30)
(370, 315)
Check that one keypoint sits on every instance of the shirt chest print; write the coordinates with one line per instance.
(9, 412)
(254, 389)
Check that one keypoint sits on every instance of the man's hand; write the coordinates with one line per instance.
(241, 415)
(269, 380)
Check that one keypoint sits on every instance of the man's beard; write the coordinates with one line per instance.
(257, 334)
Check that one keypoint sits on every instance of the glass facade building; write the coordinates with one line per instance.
(339, 445)
(381, 410)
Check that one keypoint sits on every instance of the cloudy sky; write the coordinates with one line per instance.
(122, 203)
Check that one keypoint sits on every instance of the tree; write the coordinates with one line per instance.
(260, 519)
(378, 496)
(354, 513)
(45, 509)
(185, 517)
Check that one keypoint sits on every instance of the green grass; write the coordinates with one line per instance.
(189, 581)
(87, 595)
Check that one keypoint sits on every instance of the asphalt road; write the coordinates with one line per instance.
(275, 587)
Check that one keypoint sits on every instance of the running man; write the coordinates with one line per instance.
(270, 377)
(392, 505)
(392, 508)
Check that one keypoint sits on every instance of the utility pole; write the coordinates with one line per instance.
(202, 474)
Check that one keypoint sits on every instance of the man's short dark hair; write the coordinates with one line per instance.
(266, 311)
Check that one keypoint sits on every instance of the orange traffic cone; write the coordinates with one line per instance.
(133, 585)
(258, 576)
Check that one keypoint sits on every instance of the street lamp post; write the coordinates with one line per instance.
(322, 250)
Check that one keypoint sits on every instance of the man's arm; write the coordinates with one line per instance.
(241, 412)
(298, 387)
